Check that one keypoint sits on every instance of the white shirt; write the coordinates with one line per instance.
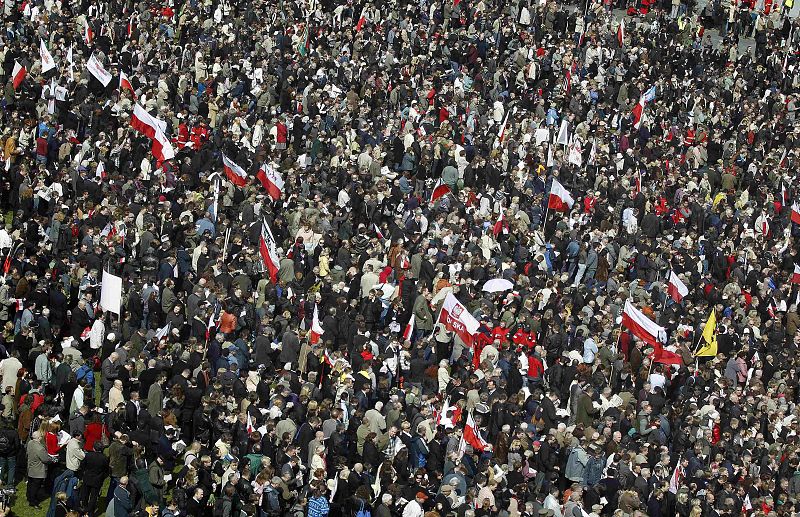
(77, 399)
(413, 509)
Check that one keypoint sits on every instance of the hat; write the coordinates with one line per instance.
(421, 495)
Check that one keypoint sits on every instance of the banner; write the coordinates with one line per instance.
(96, 69)
(457, 318)
(111, 293)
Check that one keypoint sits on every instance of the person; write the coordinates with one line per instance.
(9, 449)
(38, 461)
(121, 500)
(95, 471)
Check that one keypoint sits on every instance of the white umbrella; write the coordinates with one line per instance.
(497, 285)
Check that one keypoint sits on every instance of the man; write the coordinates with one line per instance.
(95, 472)
(37, 469)
(414, 507)
(122, 498)
(109, 371)
(156, 475)
(119, 454)
(75, 453)
(155, 395)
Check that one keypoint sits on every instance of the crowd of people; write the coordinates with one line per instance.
(380, 259)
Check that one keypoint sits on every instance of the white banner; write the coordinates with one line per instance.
(457, 318)
(96, 69)
(111, 293)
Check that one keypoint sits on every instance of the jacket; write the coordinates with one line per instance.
(37, 459)
(576, 465)
(95, 469)
(422, 312)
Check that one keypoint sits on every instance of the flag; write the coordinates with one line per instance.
(710, 337)
(676, 478)
(212, 323)
(125, 84)
(163, 331)
(641, 326)
(660, 355)
(637, 112)
(456, 318)
(378, 232)
(71, 61)
(567, 85)
(501, 133)
(439, 190)
(250, 427)
(621, 33)
(269, 252)
(271, 181)
(361, 21)
(796, 274)
(500, 225)
(316, 328)
(676, 289)
(559, 198)
(85, 333)
(472, 435)
(409, 330)
(154, 129)
(303, 47)
(234, 173)
(88, 33)
(97, 70)
(101, 171)
(563, 133)
(131, 27)
(47, 59)
(746, 504)
(796, 212)
(18, 74)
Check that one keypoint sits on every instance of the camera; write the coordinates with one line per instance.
(7, 495)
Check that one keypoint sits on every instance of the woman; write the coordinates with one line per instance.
(318, 504)
(50, 431)
(61, 509)
(318, 459)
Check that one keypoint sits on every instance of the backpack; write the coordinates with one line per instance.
(363, 512)
(538, 418)
(85, 372)
(5, 444)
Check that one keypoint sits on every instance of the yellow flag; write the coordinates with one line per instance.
(719, 197)
(710, 337)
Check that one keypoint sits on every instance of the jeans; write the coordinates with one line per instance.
(8, 468)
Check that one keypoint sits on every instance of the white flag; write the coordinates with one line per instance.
(563, 133)
(47, 60)
(111, 293)
(96, 69)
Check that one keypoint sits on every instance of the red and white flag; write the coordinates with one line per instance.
(316, 327)
(154, 129)
(560, 199)
(796, 212)
(409, 330)
(676, 289)
(101, 171)
(746, 504)
(250, 427)
(676, 478)
(641, 326)
(501, 225)
(234, 173)
(621, 33)
(269, 252)
(501, 133)
(439, 190)
(125, 84)
(378, 232)
(18, 74)
(98, 71)
(796, 274)
(88, 33)
(271, 181)
(473, 436)
(456, 318)
(637, 112)
(131, 27)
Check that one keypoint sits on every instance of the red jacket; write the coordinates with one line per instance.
(535, 367)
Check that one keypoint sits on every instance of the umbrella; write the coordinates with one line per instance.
(497, 285)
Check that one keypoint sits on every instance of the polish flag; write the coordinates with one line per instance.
(125, 84)
(456, 318)
(500, 225)
(378, 232)
(637, 113)
(271, 180)
(361, 21)
(641, 326)
(796, 274)
(234, 173)
(154, 129)
(316, 328)
(18, 74)
(796, 212)
(163, 331)
(131, 27)
(501, 133)
(560, 198)
(472, 435)
(409, 329)
(101, 171)
(621, 33)
(269, 252)
(250, 427)
(88, 33)
(660, 355)
(676, 478)
(212, 324)
(439, 190)
(676, 289)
